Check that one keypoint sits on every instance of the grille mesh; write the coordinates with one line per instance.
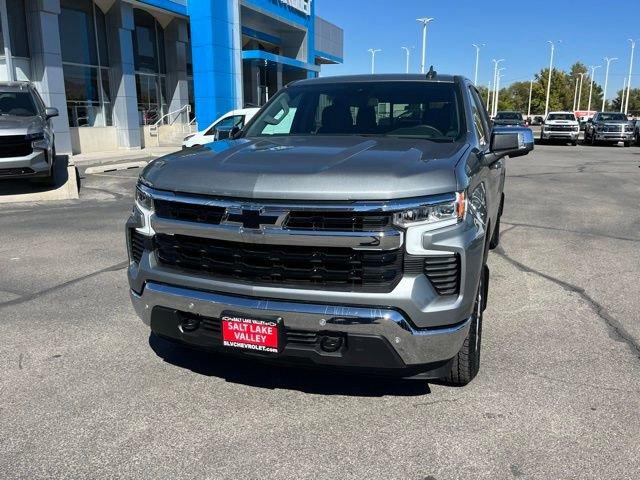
(443, 271)
(339, 268)
(137, 245)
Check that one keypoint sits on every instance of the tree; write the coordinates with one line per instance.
(634, 102)
(561, 97)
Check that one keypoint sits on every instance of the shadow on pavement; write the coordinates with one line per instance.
(17, 186)
(256, 373)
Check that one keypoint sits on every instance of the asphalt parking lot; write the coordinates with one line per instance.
(85, 392)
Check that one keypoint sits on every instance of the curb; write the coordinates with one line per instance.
(114, 167)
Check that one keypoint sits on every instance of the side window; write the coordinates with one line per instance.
(227, 122)
(477, 108)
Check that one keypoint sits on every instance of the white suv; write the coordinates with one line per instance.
(234, 118)
(560, 126)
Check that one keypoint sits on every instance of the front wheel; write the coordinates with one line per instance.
(627, 144)
(466, 363)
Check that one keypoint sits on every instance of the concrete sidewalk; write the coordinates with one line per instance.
(85, 160)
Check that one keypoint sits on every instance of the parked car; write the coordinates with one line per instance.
(509, 119)
(27, 140)
(636, 131)
(561, 126)
(234, 118)
(331, 231)
(609, 127)
(537, 120)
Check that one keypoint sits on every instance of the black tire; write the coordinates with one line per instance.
(593, 141)
(52, 179)
(466, 363)
(627, 144)
(574, 143)
(495, 237)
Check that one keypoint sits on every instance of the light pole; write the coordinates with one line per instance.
(425, 21)
(606, 80)
(575, 95)
(530, 92)
(546, 107)
(580, 90)
(626, 104)
(373, 52)
(488, 93)
(498, 77)
(475, 75)
(408, 52)
(495, 73)
(624, 90)
(593, 72)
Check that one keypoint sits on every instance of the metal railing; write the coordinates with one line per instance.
(153, 128)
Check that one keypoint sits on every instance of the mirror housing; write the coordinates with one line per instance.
(51, 112)
(510, 141)
(224, 133)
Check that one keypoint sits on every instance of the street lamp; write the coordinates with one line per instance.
(373, 52)
(580, 90)
(553, 47)
(424, 22)
(633, 47)
(530, 92)
(575, 95)
(606, 80)
(498, 77)
(495, 73)
(593, 72)
(406, 49)
(475, 75)
(488, 93)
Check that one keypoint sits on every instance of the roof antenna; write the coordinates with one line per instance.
(431, 74)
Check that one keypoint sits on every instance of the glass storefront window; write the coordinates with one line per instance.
(150, 66)
(84, 56)
(16, 16)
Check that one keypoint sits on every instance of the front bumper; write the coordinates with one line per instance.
(560, 135)
(614, 136)
(32, 165)
(375, 338)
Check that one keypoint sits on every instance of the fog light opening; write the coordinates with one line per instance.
(331, 343)
(189, 323)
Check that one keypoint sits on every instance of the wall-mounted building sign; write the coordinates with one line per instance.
(303, 6)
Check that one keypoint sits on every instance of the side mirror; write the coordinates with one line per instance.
(223, 133)
(511, 141)
(51, 112)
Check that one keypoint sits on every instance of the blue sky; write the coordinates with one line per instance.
(514, 30)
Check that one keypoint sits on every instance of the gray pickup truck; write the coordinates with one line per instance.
(27, 142)
(347, 225)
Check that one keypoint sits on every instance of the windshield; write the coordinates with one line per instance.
(561, 116)
(17, 103)
(604, 117)
(396, 109)
(508, 116)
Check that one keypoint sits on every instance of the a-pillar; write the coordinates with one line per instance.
(120, 28)
(46, 65)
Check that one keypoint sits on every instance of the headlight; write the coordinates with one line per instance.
(38, 140)
(576, 128)
(453, 210)
(143, 200)
(629, 128)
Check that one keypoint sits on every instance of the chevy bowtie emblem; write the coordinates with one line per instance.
(250, 218)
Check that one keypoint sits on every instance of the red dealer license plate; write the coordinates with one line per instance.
(255, 334)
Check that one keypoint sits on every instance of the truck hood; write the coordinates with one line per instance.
(310, 168)
(18, 125)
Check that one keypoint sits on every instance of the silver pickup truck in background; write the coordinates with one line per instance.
(27, 141)
(347, 225)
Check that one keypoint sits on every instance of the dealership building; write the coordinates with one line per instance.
(125, 74)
